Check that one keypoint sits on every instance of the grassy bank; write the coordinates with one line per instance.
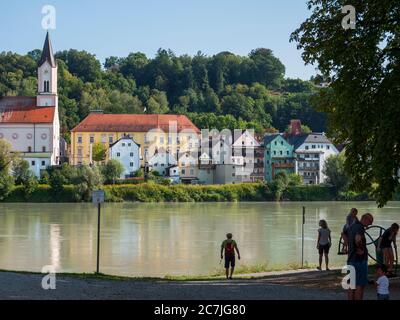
(241, 272)
(152, 192)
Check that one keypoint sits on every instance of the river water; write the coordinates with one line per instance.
(168, 239)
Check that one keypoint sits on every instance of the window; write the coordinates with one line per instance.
(110, 139)
(274, 153)
(131, 154)
(103, 138)
(307, 147)
(79, 151)
(313, 146)
(131, 164)
(118, 154)
(287, 152)
(123, 144)
(281, 143)
(46, 86)
(43, 149)
(33, 162)
(79, 139)
(281, 152)
(162, 140)
(276, 143)
(267, 152)
(162, 165)
(328, 147)
(191, 171)
(43, 163)
(91, 139)
(29, 149)
(183, 171)
(129, 144)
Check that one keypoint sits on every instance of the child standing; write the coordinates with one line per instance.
(382, 283)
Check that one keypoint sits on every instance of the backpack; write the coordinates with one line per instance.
(229, 248)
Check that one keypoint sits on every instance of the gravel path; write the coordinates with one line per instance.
(28, 286)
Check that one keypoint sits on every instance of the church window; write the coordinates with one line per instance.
(43, 149)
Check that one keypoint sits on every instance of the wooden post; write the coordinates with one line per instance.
(302, 237)
(98, 238)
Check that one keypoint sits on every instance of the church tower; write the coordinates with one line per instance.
(47, 77)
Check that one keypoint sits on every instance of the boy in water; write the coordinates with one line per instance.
(229, 246)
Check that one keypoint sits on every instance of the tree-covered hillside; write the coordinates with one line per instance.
(222, 91)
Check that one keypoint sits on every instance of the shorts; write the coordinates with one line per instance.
(361, 268)
(383, 296)
(229, 260)
(324, 248)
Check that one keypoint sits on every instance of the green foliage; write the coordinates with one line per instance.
(6, 160)
(57, 181)
(24, 176)
(239, 90)
(112, 171)
(99, 152)
(282, 182)
(21, 171)
(335, 172)
(85, 180)
(6, 185)
(362, 101)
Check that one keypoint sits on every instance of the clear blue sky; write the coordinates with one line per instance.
(116, 28)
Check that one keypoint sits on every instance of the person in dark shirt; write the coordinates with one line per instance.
(358, 255)
(228, 248)
(385, 244)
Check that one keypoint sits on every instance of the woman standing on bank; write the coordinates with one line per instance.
(324, 243)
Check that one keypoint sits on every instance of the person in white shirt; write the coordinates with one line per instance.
(382, 283)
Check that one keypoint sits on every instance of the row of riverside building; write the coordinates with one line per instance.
(170, 145)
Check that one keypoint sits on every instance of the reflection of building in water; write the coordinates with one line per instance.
(55, 246)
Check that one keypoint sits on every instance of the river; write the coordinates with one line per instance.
(170, 238)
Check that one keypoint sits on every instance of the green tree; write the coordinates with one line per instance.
(21, 171)
(86, 180)
(99, 152)
(112, 171)
(335, 172)
(57, 180)
(6, 160)
(362, 101)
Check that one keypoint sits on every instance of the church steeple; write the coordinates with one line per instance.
(47, 76)
(47, 53)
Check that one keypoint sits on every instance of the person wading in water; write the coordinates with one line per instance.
(229, 246)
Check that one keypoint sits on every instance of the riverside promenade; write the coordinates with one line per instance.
(289, 285)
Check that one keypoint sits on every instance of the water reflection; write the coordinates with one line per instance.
(159, 239)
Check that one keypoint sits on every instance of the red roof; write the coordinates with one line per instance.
(98, 122)
(28, 114)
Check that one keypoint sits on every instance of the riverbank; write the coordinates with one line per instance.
(152, 192)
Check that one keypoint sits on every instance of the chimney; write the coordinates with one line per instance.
(295, 128)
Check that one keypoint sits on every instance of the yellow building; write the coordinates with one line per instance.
(173, 133)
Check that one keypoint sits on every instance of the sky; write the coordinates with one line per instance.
(116, 28)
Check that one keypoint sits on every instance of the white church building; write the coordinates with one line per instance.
(31, 124)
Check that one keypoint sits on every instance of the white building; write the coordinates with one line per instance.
(311, 151)
(126, 151)
(31, 124)
(160, 161)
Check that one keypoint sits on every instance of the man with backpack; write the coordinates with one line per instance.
(229, 246)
